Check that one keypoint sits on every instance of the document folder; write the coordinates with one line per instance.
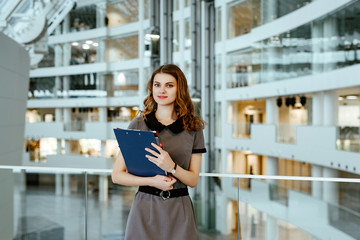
(132, 144)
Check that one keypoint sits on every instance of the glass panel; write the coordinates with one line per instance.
(218, 24)
(126, 83)
(122, 12)
(239, 19)
(66, 204)
(83, 18)
(49, 58)
(207, 212)
(83, 52)
(305, 50)
(124, 48)
(176, 5)
(176, 37)
(42, 87)
(272, 10)
(348, 138)
(108, 207)
(218, 119)
(49, 205)
(187, 40)
(122, 114)
(218, 71)
(147, 9)
(286, 132)
(241, 130)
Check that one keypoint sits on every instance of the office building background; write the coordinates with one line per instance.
(276, 81)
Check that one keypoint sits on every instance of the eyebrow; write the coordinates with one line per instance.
(173, 82)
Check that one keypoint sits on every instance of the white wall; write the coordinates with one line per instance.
(14, 82)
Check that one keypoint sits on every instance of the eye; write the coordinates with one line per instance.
(156, 85)
(169, 85)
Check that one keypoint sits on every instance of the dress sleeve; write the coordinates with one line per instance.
(134, 124)
(199, 142)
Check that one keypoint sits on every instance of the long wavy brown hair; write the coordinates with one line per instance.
(183, 105)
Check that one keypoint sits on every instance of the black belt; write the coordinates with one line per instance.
(164, 194)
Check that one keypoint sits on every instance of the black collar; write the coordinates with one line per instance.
(152, 123)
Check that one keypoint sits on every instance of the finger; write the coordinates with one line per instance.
(152, 159)
(152, 152)
(157, 147)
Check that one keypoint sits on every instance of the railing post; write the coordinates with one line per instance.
(238, 207)
(86, 204)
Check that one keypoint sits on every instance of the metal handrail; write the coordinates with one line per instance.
(35, 169)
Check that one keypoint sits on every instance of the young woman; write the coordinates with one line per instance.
(162, 208)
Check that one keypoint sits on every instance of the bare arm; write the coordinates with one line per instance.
(163, 160)
(121, 176)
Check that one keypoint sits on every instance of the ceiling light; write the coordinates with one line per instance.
(85, 46)
(340, 98)
(89, 41)
(351, 97)
(75, 44)
(95, 44)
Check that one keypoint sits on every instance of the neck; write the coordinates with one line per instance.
(166, 113)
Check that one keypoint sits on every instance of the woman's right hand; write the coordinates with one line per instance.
(164, 183)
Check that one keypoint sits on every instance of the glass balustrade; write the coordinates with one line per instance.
(303, 51)
(241, 129)
(286, 132)
(85, 204)
(348, 138)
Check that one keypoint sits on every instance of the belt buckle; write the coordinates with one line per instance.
(166, 196)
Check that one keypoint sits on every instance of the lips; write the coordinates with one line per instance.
(162, 97)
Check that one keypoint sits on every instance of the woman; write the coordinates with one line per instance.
(162, 208)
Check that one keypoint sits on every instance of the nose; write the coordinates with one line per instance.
(162, 90)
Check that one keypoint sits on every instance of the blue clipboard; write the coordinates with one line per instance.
(132, 144)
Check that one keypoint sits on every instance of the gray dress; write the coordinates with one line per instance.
(150, 216)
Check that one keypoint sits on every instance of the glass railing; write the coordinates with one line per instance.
(302, 51)
(241, 129)
(74, 126)
(286, 132)
(61, 203)
(348, 138)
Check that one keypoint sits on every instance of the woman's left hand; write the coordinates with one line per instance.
(161, 159)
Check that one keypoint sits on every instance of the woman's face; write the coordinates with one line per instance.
(164, 89)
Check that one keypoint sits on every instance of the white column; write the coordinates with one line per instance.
(272, 111)
(102, 148)
(100, 14)
(329, 47)
(102, 114)
(66, 191)
(317, 42)
(271, 228)
(58, 184)
(272, 168)
(317, 186)
(318, 109)
(58, 55)
(66, 54)
(66, 86)
(58, 115)
(58, 146)
(103, 188)
(271, 165)
(66, 24)
(331, 189)
(67, 120)
(330, 108)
